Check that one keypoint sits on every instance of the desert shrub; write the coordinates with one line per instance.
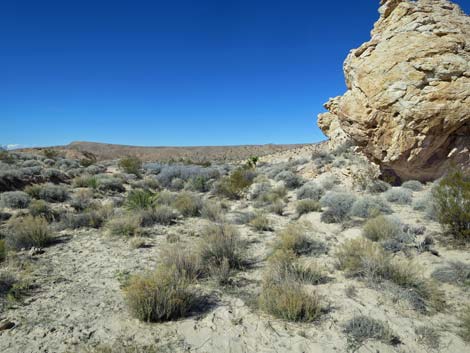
(166, 198)
(288, 300)
(235, 184)
(399, 195)
(188, 204)
(455, 272)
(124, 225)
(368, 206)
(339, 204)
(187, 263)
(290, 179)
(87, 219)
(427, 204)
(238, 217)
(107, 183)
(7, 281)
(163, 215)
(160, 296)
(413, 185)
(283, 265)
(185, 172)
(82, 199)
(131, 165)
(85, 181)
(365, 259)
(153, 168)
(382, 228)
(310, 191)
(199, 183)
(48, 192)
(295, 237)
(257, 190)
(428, 336)
(40, 208)
(147, 183)
(277, 193)
(212, 211)
(464, 324)
(51, 153)
(277, 207)
(377, 186)
(28, 232)
(306, 206)
(53, 175)
(177, 184)
(452, 199)
(322, 158)
(220, 242)
(140, 200)
(362, 328)
(3, 250)
(15, 199)
(261, 223)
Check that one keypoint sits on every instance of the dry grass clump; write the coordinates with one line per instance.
(362, 328)
(82, 199)
(306, 206)
(213, 211)
(186, 262)
(365, 259)
(261, 223)
(85, 181)
(221, 242)
(15, 199)
(382, 228)
(188, 204)
(277, 207)
(452, 198)
(28, 232)
(163, 215)
(40, 208)
(289, 301)
(428, 336)
(160, 296)
(465, 324)
(295, 237)
(127, 225)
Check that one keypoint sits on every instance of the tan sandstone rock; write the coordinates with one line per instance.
(408, 101)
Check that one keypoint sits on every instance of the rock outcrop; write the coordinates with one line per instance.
(408, 101)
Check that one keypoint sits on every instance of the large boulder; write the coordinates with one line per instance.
(407, 106)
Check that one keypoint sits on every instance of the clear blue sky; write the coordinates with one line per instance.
(174, 72)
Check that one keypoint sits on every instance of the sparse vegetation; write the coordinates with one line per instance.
(381, 228)
(452, 198)
(186, 262)
(160, 296)
(310, 191)
(27, 232)
(464, 326)
(339, 204)
(124, 226)
(131, 165)
(455, 272)
(399, 195)
(261, 223)
(188, 204)
(295, 237)
(212, 211)
(306, 206)
(361, 328)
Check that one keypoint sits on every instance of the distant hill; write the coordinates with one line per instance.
(105, 151)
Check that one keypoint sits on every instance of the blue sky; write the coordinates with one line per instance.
(179, 72)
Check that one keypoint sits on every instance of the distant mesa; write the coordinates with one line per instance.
(407, 106)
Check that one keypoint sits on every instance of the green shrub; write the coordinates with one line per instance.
(188, 204)
(235, 184)
(40, 208)
(160, 296)
(14, 199)
(140, 200)
(295, 237)
(131, 165)
(124, 225)
(289, 301)
(85, 181)
(220, 242)
(452, 198)
(306, 206)
(381, 228)
(28, 232)
(199, 183)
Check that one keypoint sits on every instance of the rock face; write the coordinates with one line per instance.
(408, 101)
